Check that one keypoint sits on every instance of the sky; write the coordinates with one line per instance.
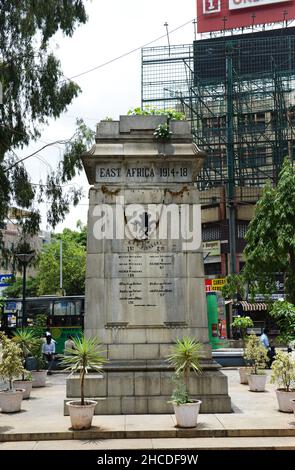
(115, 27)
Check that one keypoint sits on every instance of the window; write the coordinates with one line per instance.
(63, 308)
(260, 121)
(253, 157)
(242, 229)
(212, 268)
(216, 158)
(211, 233)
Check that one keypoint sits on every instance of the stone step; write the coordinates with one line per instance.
(116, 405)
(97, 433)
(138, 385)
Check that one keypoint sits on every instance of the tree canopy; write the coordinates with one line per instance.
(47, 279)
(74, 264)
(35, 90)
(271, 236)
(16, 288)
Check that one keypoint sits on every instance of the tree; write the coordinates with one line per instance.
(271, 236)
(242, 324)
(74, 265)
(283, 313)
(35, 90)
(234, 287)
(16, 288)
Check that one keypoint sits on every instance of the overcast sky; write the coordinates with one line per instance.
(114, 28)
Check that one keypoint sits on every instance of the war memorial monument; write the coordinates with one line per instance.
(145, 273)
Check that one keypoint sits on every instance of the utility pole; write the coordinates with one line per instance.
(230, 157)
(167, 32)
(25, 259)
(195, 29)
(60, 266)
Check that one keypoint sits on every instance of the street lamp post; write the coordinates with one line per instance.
(25, 259)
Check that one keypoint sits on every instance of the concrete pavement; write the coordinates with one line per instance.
(209, 443)
(255, 421)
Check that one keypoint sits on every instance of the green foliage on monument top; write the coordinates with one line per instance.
(163, 132)
(270, 236)
(171, 114)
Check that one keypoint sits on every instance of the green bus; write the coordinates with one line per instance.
(65, 316)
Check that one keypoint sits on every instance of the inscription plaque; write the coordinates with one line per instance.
(156, 172)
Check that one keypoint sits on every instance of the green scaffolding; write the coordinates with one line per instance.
(261, 86)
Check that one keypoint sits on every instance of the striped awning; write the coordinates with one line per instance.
(248, 307)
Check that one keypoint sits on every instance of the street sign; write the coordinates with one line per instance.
(214, 284)
(4, 280)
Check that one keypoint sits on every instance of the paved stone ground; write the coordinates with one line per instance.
(255, 423)
(218, 443)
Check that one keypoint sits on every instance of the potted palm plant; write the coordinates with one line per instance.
(283, 374)
(39, 375)
(185, 357)
(24, 338)
(10, 367)
(256, 355)
(86, 355)
(241, 324)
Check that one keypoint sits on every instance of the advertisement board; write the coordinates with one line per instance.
(217, 15)
(214, 284)
(212, 248)
(5, 280)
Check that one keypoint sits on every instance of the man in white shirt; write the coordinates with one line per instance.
(264, 339)
(48, 350)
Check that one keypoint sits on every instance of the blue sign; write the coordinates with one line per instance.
(4, 280)
(10, 307)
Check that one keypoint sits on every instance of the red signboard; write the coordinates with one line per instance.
(217, 15)
(208, 285)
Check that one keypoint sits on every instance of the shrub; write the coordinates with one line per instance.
(185, 356)
(255, 354)
(283, 370)
(11, 366)
(86, 355)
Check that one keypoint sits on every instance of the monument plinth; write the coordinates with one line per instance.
(145, 277)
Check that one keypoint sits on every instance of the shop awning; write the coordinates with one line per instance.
(248, 307)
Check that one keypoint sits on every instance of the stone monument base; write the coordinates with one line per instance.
(146, 388)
